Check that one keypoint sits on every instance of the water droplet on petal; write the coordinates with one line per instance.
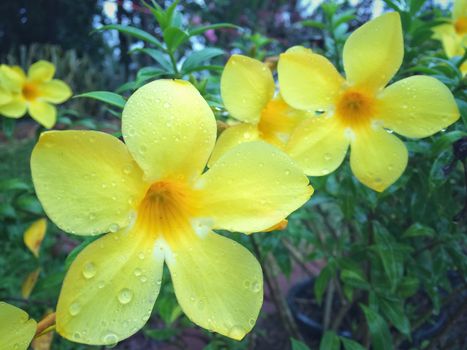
(110, 339)
(74, 308)
(236, 332)
(89, 270)
(114, 227)
(125, 296)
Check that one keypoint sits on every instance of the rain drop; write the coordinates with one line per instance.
(74, 308)
(125, 296)
(110, 339)
(137, 272)
(89, 270)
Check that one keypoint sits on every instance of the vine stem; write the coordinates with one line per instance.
(268, 264)
(45, 325)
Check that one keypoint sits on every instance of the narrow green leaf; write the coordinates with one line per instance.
(380, 336)
(174, 37)
(195, 59)
(322, 282)
(350, 344)
(313, 24)
(418, 230)
(446, 140)
(330, 341)
(354, 278)
(202, 29)
(408, 286)
(158, 56)
(13, 185)
(298, 345)
(105, 96)
(394, 311)
(134, 32)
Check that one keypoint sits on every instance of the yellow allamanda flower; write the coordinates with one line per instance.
(453, 35)
(16, 328)
(35, 93)
(5, 93)
(151, 195)
(248, 93)
(360, 111)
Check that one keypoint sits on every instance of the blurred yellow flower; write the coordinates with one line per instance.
(453, 35)
(150, 193)
(360, 111)
(16, 328)
(247, 89)
(5, 93)
(29, 283)
(35, 93)
(34, 235)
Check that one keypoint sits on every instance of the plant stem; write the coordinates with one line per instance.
(328, 304)
(174, 65)
(297, 256)
(282, 308)
(45, 325)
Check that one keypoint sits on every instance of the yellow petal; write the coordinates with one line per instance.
(418, 106)
(308, 81)
(110, 289)
(86, 181)
(452, 43)
(169, 129)
(377, 158)
(5, 94)
(232, 137)
(41, 71)
(252, 187)
(247, 86)
(55, 91)
(13, 77)
(16, 328)
(319, 145)
(34, 235)
(15, 108)
(43, 112)
(29, 283)
(459, 9)
(218, 284)
(373, 53)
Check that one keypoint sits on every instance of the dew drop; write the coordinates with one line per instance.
(137, 272)
(74, 308)
(89, 270)
(143, 279)
(125, 296)
(251, 322)
(110, 339)
(327, 156)
(100, 285)
(114, 227)
(127, 169)
(255, 287)
(141, 255)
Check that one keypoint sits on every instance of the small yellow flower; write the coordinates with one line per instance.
(360, 111)
(247, 89)
(453, 35)
(35, 93)
(5, 93)
(150, 193)
(16, 328)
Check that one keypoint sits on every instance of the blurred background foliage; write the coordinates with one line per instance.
(386, 268)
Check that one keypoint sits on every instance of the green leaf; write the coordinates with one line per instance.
(313, 24)
(322, 281)
(418, 230)
(159, 56)
(354, 278)
(408, 286)
(13, 185)
(446, 140)
(351, 344)
(134, 32)
(298, 345)
(394, 311)
(330, 341)
(105, 96)
(174, 37)
(202, 29)
(29, 203)
(196, 58)
(149, 73)
(380, 336)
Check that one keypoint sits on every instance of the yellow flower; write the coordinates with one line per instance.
(16, 328)
(5, 93)
(151, 195)
(247, 89)
(453, 35)
(35, 93)
(360, 111)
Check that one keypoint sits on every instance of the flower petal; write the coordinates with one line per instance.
(218, 284)
(377, 158)
(418, 106)
(34, 235)
(14, 109)
(86, 181)
(13, 77)
(55, 91)
(252, 187)
(373, 53)
(29, 283)
(319, 145)
(452, 42)
(169, 129)
(308, 81)
(5, 95)
(16, 328)
(110, 289)
(41, 71)
(43, 112)
(247, 86)
(459, 9)
(232, 137)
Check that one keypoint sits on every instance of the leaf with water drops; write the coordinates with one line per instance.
(16, 328)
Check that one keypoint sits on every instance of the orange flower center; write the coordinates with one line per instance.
(355, 108)
(30, 92)
(461, 25)
(167, 210)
